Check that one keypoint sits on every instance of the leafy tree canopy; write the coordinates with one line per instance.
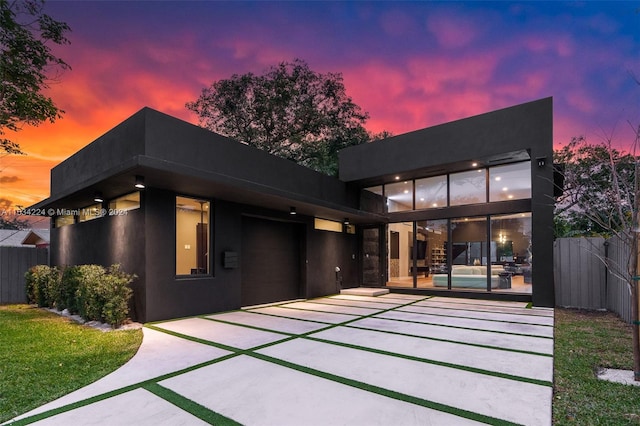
(598, 197)
(25, 62)
(290, 111)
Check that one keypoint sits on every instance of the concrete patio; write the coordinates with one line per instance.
(346, 359)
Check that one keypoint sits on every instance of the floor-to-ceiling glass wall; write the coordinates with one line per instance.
(469, 257)
(400, 254)
(431, 253)
(511, 251)
(487, 253)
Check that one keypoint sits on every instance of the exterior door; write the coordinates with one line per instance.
(371, 257)
(270, 261)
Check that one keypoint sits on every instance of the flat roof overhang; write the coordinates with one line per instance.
(190, 181)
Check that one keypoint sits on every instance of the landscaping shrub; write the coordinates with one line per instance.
(43, 285)
(88, 299)
(116, 295)
(103, 294)
(93, 292)
(71, 278)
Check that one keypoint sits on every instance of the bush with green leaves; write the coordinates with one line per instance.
(69, 283)
(104, 294)
(93, 292)
(43, 285)
(87, 292)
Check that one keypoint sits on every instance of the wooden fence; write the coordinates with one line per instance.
(582, 279)
(14, 262)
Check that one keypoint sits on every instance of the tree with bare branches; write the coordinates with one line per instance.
(601, 198)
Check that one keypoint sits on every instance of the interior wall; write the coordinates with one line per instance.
(405, 237)
(186, 250)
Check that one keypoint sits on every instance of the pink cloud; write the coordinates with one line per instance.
(452, 31)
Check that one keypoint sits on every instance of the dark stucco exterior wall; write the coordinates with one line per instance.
(106, 241)
(177, 158)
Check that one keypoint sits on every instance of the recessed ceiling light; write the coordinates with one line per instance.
(406, 191)
(498, 178)
(474, 164)
(505, 189)
(397, 177)
(421, 199)
(435, 204)
(509, 196)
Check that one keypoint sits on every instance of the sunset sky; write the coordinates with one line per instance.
(409, 64)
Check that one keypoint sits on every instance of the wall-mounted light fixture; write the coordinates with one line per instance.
(292, 211)
(139, 182)
(97, 197)
(541, 161)
(346, 221)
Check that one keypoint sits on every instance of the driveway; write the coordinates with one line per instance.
(347, 359)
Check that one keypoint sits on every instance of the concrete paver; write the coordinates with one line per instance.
(137, 407)
(347, 359)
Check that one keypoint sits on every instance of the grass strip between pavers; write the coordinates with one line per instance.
(385, 392)
(527, 309)
(434, 362)
(448, 315)
(454, 308)
(191, 407)
(439, 339)
(462, 328)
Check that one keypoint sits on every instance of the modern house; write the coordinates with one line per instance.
(210, 224)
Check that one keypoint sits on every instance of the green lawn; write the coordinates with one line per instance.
(44, 356)
(584, 341)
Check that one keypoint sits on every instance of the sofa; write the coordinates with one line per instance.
(465, 276)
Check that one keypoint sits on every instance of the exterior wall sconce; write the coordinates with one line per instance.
(139, 182)
(97, 197)
(292, 211)
(541, 161)
(346, 221)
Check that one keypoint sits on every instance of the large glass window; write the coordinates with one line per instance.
(400, 249)
(510, 182)
(468, 188)
(192, 236)
(511, 251)
(431, 192)
(399, 196)
(469, 254)
(431, 253)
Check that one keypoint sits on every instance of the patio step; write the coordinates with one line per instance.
(364, 291)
